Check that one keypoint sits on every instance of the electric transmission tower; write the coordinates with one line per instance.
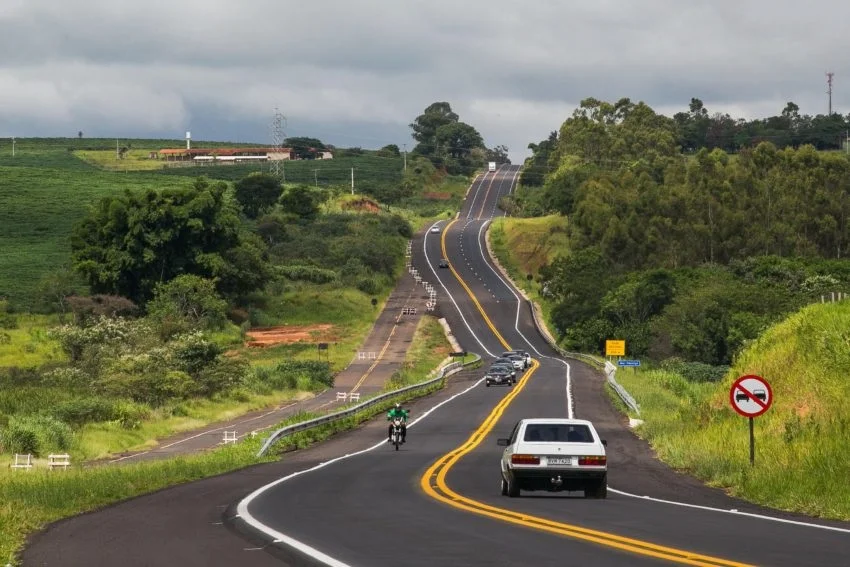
(829, 91)
(278, 136)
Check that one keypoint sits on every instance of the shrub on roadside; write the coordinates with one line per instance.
(36, 435)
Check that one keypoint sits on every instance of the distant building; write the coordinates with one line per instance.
(231, 155)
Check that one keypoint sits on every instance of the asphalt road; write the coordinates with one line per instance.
(369, 510)
(355, 501)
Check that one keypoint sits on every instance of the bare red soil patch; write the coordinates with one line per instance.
(271, 336)
(362, 205)
(437, 195)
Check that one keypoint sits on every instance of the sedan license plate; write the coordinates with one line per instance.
(560, 460)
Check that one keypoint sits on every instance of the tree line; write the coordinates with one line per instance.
(686, 254)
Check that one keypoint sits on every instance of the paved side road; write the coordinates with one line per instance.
(382, 353)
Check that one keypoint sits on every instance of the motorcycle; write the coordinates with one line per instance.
(396, 436)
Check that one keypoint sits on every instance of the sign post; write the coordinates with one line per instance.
(751, 396)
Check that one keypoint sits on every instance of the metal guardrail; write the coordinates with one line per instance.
(601, 364)
(442, 373)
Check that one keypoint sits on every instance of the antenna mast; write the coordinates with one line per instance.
(278, 136)
(829, 76)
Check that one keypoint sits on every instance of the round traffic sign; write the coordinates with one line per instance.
(751, 395)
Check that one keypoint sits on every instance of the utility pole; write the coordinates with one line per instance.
(405, 158)
(847, 143)
(829, 76)
(117, 153)
(352, 181)
(13, 146)
(316, 176)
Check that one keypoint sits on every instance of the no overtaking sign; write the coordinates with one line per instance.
(751, 395)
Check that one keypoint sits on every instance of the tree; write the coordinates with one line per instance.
(499, 154)
(188, 301)
(257, 193)
(300, 201)
(458, 139)
(537, 166)
(390, 150)
(425, 126)
(80, 134)
(305, 148)
(129, 243)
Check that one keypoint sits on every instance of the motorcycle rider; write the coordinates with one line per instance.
(397, 411)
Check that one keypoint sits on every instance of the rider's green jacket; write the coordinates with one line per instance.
(395, 412)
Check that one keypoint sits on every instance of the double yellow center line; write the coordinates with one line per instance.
(433, 483)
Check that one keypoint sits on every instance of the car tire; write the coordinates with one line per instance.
(598, 489)
(504, 487)
(512, 489)
(487, 384)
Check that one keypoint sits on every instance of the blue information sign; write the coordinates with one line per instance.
(628, 362)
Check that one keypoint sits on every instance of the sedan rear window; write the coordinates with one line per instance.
(558, 433)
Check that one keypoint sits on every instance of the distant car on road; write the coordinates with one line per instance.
(516, 360)
(522, 353)
(509, 368)
(444, 263)
(507, 362)
(554, 454)
(499, 376)
(435, 230)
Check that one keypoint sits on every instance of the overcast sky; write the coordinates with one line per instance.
(356, 72)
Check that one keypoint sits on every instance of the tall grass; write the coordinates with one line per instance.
(28, 345)
(524, 245)
(802, 444)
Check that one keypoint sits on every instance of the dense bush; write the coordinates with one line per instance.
(312, 274)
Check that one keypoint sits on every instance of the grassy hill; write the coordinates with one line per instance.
(802, 442)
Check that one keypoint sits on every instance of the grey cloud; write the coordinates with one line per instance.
(515, 70)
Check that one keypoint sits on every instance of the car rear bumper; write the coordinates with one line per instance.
(556, 478)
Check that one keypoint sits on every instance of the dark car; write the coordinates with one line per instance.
(499, 376)
(444, 263)
(506, 367)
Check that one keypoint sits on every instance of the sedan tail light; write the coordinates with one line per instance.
(525, 460)
(592, 461)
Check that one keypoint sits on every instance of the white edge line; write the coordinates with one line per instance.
(243, 512)
(733, 512)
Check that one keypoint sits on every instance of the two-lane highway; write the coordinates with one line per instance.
(379, 506)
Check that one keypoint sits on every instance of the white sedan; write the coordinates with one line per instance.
(435, 229)
(554, 454)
